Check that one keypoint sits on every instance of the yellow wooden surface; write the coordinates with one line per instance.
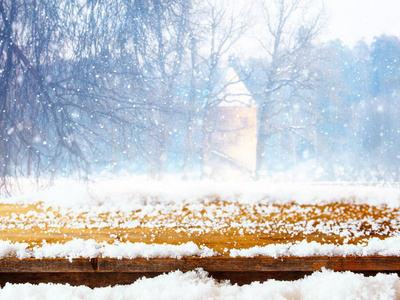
(218, 225)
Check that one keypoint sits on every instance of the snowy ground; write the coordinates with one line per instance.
(197, 285)
(127, 194)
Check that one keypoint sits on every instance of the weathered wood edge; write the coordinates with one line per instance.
(211, 264)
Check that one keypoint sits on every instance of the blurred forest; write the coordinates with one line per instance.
(92, 87)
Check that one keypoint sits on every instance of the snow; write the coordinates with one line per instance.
(374, 246)
(13, 250)
(79, 248)
(324, 284)
(132, 193)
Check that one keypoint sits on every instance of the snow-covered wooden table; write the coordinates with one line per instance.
(231, 240)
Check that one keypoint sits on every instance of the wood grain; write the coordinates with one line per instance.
(210, 264)
(105, 272)
(111, 279)
(224, 226)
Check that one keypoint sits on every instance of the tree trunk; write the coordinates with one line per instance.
(189, 149)
(260, 157)
(261, 141)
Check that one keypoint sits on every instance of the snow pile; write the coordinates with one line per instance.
(89, 248)
(374, 246)
(13, 250)
(127, 194)
(198, 285)
(80, 248)
(133, 250)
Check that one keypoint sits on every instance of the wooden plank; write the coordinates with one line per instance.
(92, 279)
(100, 279)
(105, 272)
(219, 225)
(259, 264)
(45, 265)
(96, 279)
(210, 264)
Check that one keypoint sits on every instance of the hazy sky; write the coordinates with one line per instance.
(352, 20)
(347, 20)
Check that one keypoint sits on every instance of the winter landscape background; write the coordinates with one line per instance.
(122, 87)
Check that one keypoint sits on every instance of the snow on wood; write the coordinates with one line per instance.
(373, 247)
(80, 248)
(251, 227)
(116, 218)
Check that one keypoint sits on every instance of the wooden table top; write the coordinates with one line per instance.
(218, 225)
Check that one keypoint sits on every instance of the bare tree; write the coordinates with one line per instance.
(290, 26)
(73, 85)
(169, 52)
(215, 28)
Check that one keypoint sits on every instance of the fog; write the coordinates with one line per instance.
(273, 90)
